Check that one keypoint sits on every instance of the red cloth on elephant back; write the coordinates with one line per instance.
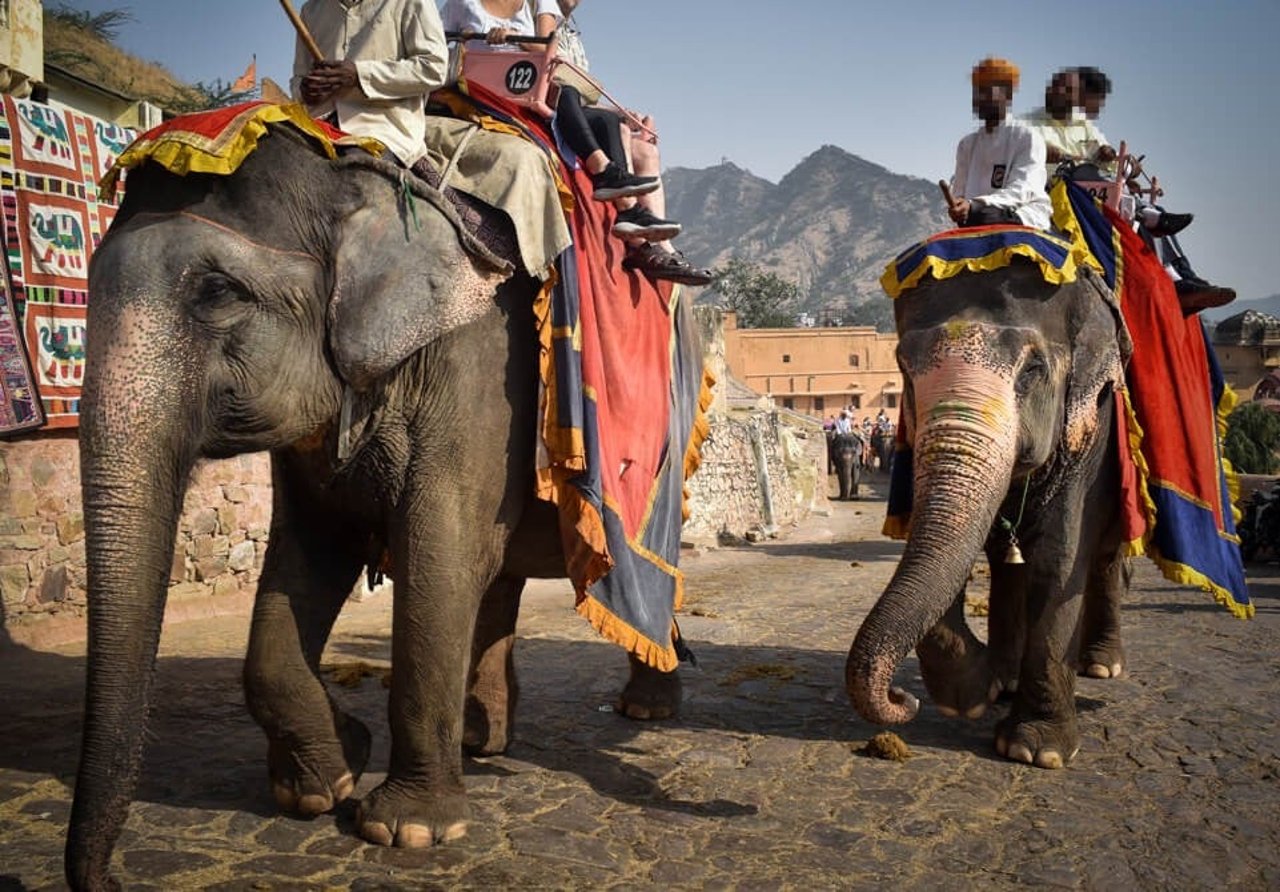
(623, 416)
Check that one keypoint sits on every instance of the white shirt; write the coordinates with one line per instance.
(469, 15)
(399, 51)
(844, 426)
(1004, 168)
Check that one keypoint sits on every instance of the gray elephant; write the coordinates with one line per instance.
(222, 309)
(847, 452)
(882, 446)
(1009, 406)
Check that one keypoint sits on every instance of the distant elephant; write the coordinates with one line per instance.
(1009, 401)
(883, 444)
(847, 454)
(221, 310)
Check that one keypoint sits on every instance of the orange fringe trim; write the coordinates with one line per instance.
(649, 652)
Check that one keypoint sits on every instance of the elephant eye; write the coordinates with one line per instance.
(1033, 372)
(216, 289)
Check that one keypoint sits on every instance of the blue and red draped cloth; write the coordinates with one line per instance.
(1176, 487)
(623, 414)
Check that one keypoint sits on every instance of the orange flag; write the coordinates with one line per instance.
(247, 81)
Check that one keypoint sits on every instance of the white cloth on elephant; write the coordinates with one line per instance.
(1005, 169)
(507, 173)
(400, 55)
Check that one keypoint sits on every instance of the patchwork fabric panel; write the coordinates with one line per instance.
(51, 159)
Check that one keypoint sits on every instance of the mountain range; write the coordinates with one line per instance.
(831, 225)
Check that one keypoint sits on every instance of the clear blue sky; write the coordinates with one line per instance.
(764, 83)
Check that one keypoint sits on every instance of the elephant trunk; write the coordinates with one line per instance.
(136, 453)
(964, 457)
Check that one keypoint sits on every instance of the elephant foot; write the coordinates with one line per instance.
(650, 695)
(1045, 744)
(310, 781)
(401, 815)
(957, 674)
(488, 723)
(1102, 660)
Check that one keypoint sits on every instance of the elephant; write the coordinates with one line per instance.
(847, 452)
(1010, 403)
(222, 310)
(882, 445)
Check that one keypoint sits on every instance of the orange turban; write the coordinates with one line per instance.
(995, 71)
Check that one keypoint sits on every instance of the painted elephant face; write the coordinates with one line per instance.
(1004, 376)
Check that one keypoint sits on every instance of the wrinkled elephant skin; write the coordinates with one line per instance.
(223, 309)
(1009, 401)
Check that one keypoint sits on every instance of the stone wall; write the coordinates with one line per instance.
(222, 534)
(761, 471)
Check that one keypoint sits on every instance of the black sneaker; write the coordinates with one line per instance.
(614, 182)
(1170, 224)
(670, 265)
(637, 222)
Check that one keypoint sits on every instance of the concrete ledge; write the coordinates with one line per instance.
(59, 631)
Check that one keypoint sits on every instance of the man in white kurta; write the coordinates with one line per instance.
(381, 60)
(1000, 168)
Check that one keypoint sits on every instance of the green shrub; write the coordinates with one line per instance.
(1253, 434)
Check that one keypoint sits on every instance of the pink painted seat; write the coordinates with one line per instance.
(1112, 192)
(532, 79)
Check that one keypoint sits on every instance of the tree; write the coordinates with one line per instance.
(105, 25)
(1253, 433)
(761, 300)
(877, 311)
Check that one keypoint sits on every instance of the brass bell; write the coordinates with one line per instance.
(1014, 554)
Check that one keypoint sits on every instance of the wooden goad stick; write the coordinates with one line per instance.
(303, 33)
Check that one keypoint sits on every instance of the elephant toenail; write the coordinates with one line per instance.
(454, 831)
(948, 711)
(1002, 746)
(284, 796)
(344, 787)
(976, 711)
(413, 836)
(314, 803)
(377, 833)
(1049, 759)
(1019, 752)
(993, 692)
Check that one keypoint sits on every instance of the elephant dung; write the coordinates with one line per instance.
(887, 745)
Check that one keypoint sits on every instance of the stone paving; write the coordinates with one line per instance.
(758, 785)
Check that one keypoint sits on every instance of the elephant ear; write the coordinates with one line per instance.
(405, 272)
(1100, 349)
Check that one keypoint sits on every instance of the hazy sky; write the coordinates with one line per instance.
(764, 83)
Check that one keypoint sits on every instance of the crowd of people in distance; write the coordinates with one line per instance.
(1003, 168)
(382, 61)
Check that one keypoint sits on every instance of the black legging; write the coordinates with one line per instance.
(587, 129)
(987, 215)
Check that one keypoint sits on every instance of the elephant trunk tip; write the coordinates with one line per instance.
(876, 700)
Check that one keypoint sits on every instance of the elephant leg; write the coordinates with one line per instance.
(446, 564)
(1041, 727)
(1006, 616)
(315, 752)
(955, 666)
(492, 691)
(1101, 650)
(650, 694)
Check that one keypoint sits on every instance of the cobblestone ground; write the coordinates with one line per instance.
(758, 785)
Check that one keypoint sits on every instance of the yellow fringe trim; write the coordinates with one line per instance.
(1181, 573)
(896, 526)
(184, 152)
(1139, 546)
(651, 653)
